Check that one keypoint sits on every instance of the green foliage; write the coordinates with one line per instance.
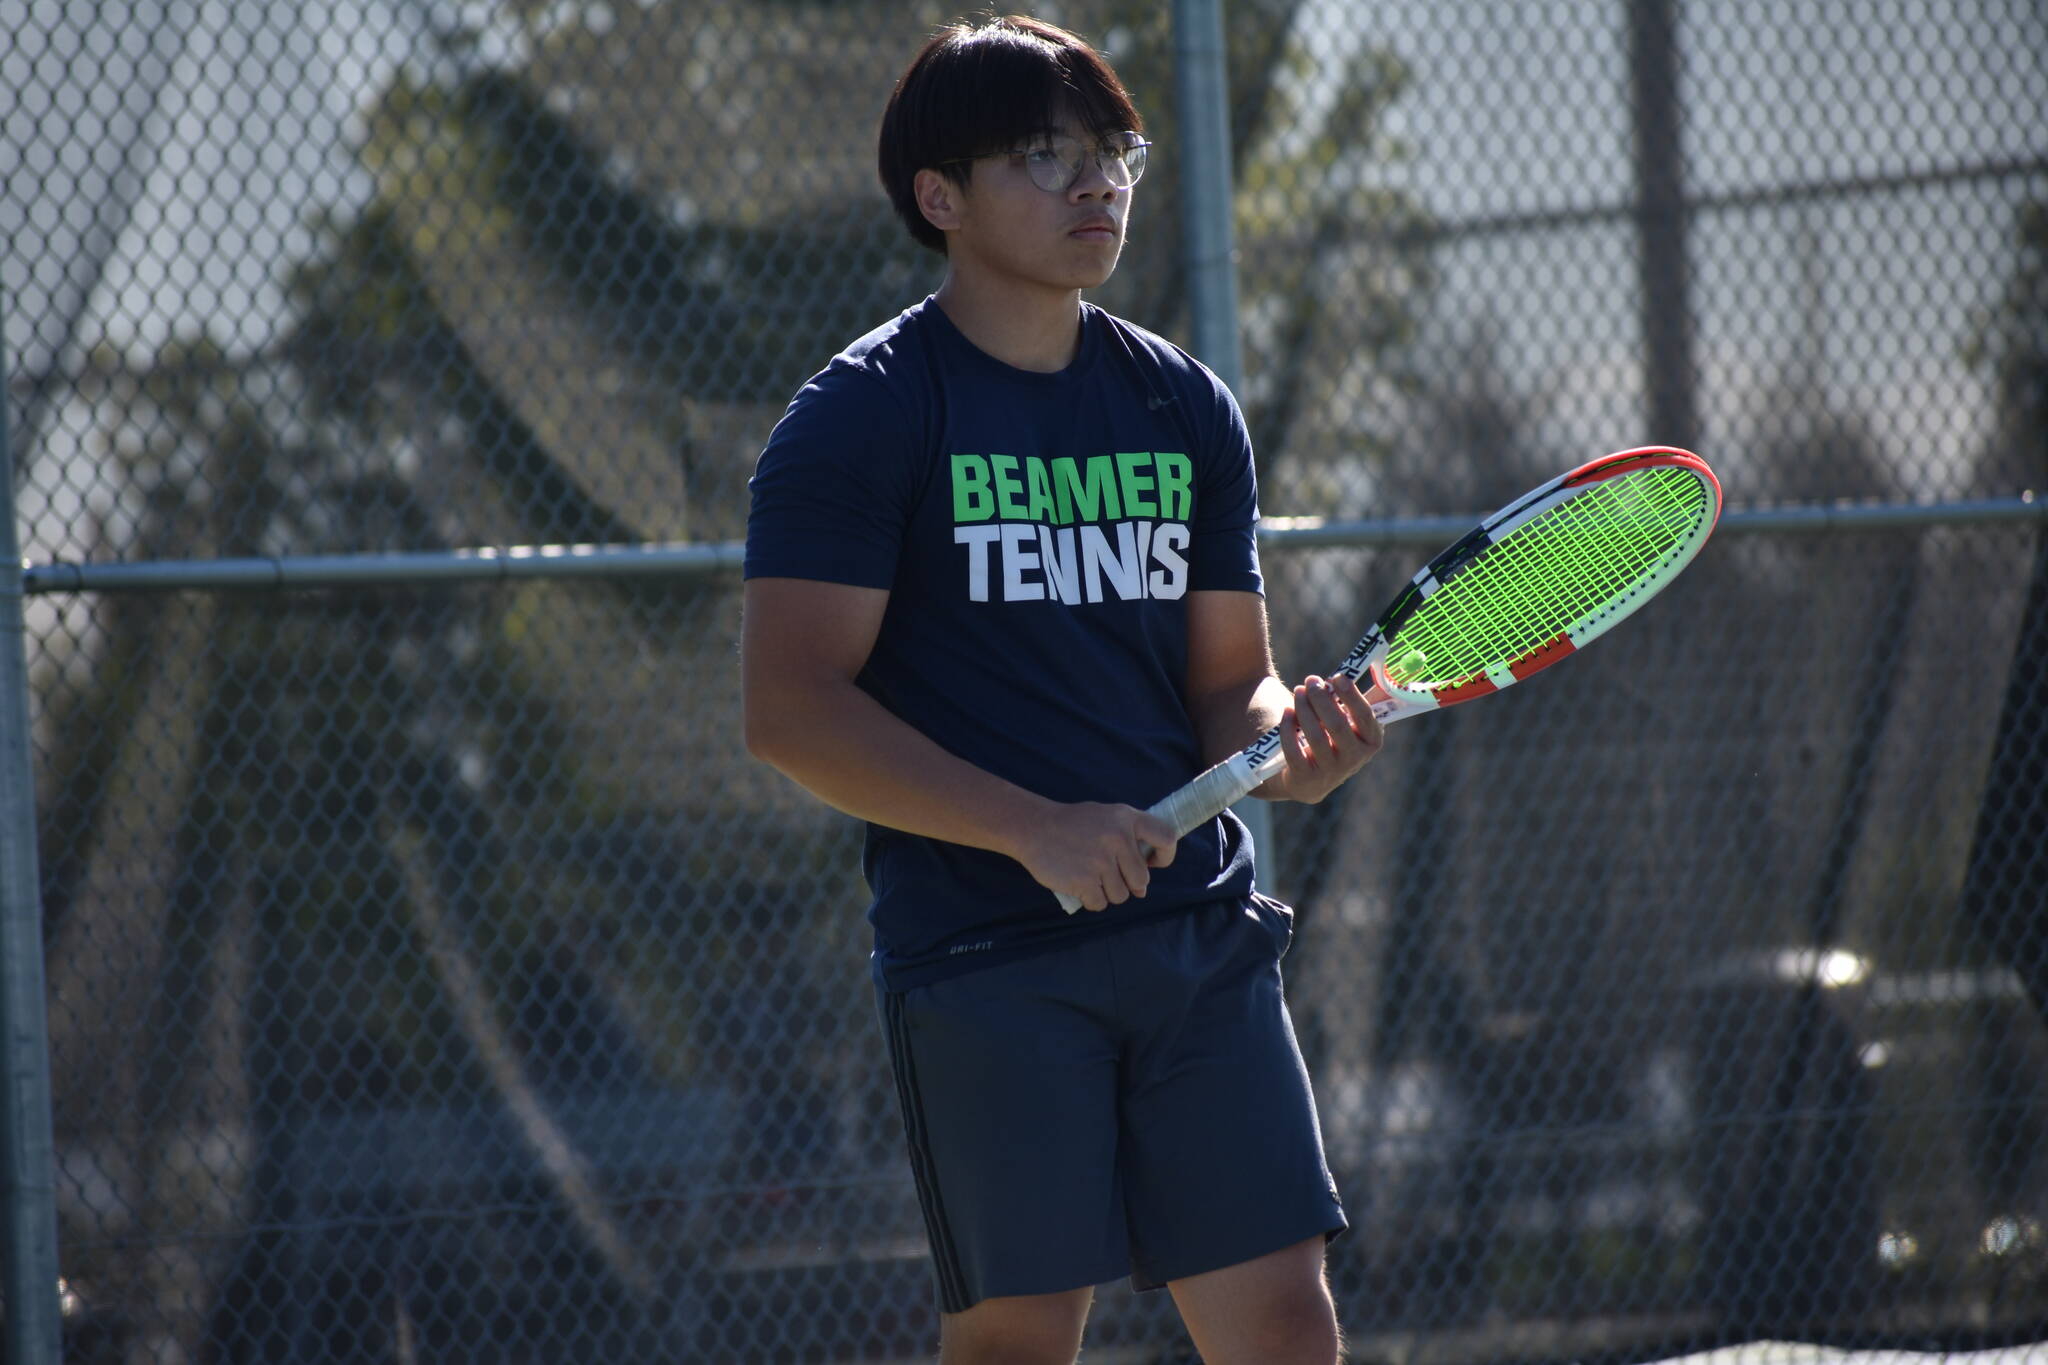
(360, 767)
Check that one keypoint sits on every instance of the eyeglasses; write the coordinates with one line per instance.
(1056, 163)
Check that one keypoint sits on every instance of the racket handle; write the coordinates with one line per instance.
(1207, 796)
(1230, 781)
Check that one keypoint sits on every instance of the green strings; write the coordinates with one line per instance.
(1587, 555)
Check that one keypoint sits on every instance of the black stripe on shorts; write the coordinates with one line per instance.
(953, 1295)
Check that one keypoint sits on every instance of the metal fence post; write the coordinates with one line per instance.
(34, 1320)
(1202, 86)
(1661, 217)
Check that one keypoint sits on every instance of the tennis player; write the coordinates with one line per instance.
(1002, 592)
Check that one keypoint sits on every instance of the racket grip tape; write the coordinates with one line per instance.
(1208, 795)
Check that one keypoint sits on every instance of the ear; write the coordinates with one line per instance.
(939, 199)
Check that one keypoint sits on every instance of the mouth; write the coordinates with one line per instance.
(1098, 229)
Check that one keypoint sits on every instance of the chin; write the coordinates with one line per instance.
(1066, 281)
(1098, 276)
(1065, 271)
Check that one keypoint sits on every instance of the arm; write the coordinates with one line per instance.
(802, 645)
(1234, 696)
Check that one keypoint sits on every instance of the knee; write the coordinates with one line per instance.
(1038, 1330)
(1021, 1348)
(1295, 1328)
(1007, 1353)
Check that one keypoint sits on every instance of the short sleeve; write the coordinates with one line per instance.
(830, 496)
(1225, 553)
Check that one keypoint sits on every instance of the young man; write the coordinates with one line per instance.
(1002, 593)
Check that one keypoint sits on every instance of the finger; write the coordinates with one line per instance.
(1308, 777)
(1131, 875)
(1357, 707)
(1294, 740)
(1371, 733)
(1155, 836)
(1342, 719)
(1094, 899)
(1357, 737)
(1328, 695)
(1323, 721)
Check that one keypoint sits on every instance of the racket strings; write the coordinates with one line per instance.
(1556, 571)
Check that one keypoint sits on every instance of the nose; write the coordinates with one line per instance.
(1093, 182)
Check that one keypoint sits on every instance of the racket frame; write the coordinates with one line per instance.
(1368, 657)
(1209, 794)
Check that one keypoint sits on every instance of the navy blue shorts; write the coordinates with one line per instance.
(1132, 1105)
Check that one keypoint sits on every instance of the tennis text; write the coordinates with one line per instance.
(1109, 527)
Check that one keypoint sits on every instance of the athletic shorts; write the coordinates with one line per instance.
(1131, 1105)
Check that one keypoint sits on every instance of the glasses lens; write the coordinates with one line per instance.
(1054, 165)
(1126, 158)
(1057, 164)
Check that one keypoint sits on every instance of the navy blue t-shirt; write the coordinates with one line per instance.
(1038, 535)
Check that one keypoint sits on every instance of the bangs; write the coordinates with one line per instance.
(1024, 88)
(1008, 86)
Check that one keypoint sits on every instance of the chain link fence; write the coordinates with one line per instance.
(432, 978)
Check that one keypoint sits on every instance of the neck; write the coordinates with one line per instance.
(1030, 329)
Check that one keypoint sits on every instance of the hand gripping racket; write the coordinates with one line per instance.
(1532, 584)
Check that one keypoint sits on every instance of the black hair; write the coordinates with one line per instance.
(976, 89)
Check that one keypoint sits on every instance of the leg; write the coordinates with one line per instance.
(1230, 1199)
(1029, 1329)
(1007, 1082)
(1222, 1157)
(1274, 1310)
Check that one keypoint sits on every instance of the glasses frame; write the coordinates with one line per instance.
(1065, 173)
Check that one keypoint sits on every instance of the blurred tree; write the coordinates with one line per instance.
(604, 246)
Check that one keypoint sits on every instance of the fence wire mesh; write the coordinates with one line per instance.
(432, 977)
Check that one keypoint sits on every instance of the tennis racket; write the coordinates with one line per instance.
(1529, 586)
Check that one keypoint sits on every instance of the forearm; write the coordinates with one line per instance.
(802, 644)
(1226, 721)
(1327, 732)
(854, 754)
